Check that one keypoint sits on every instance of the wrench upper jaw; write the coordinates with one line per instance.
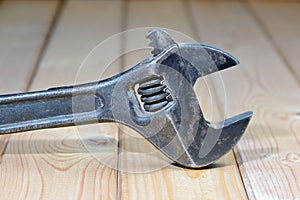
(194, 60)
(219, 58)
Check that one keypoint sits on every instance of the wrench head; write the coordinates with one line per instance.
(165, 109)
(169, 114)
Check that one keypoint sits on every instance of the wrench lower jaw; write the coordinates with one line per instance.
(216, 143)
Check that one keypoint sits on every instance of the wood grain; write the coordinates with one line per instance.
(144, 174)
(71, 163)
(269, 152)
(281, 23)
(54, 163)
(22, 36)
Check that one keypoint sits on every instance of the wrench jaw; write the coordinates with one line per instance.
(215, 143)
(203, 148)
(194, 60)
(219, 58)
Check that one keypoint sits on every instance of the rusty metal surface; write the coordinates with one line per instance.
(155, 98)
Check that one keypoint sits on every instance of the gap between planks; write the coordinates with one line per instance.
(267, 154)
(5, 138)
(193, 183)
(49, 33)
(42, 166)
(253, 13)
(197, 35)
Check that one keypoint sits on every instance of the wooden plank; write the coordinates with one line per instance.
(144, 175)
(281, 23)
(54, 163)
(22, 36)
(3, 143)
(269, 152)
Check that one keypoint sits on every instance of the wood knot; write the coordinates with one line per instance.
(291, 158)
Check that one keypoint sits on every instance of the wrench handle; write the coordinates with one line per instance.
(56, 107)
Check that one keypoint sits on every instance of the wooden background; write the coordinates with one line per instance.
(43, 43)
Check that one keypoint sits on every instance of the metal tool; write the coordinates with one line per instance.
(155, 98)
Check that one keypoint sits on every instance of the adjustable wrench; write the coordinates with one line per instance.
(155, 98)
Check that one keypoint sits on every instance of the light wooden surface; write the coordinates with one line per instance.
(81, 162)
(23, 34)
